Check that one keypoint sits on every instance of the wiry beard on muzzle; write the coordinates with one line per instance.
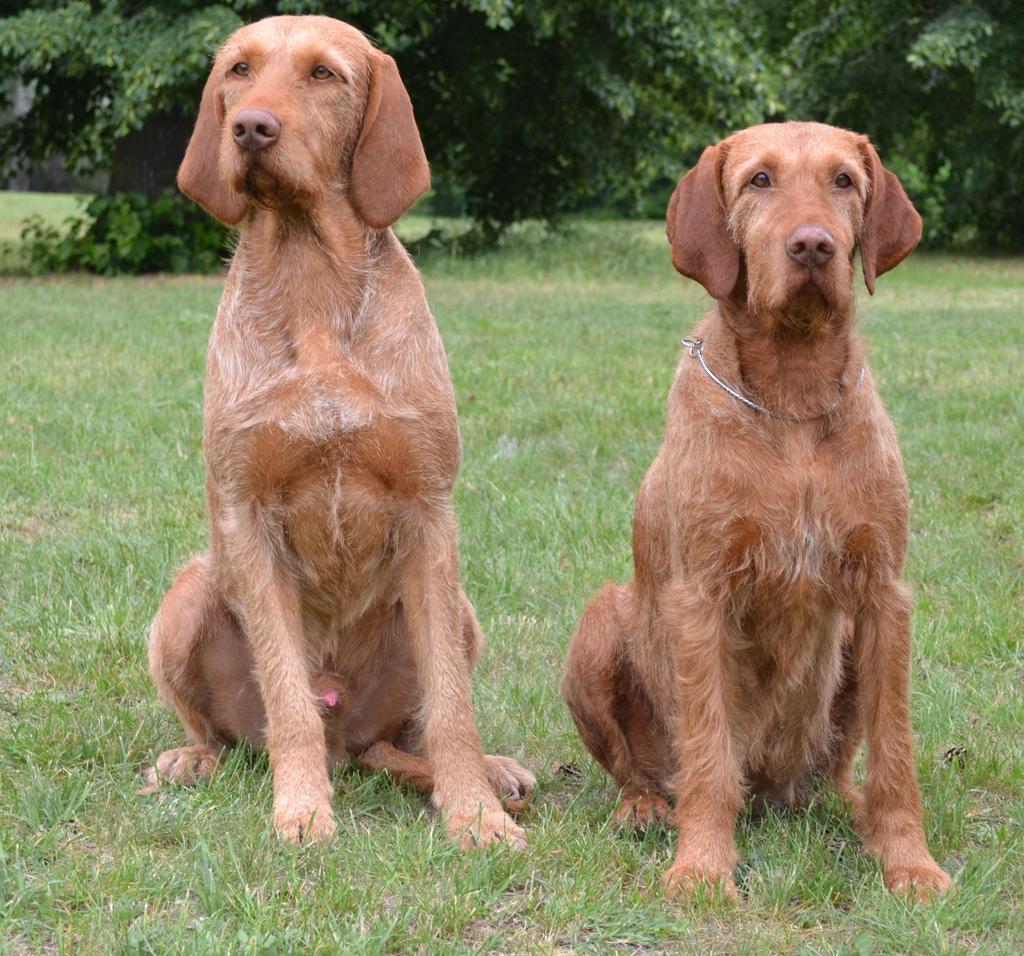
(806, 306)
(263, 188)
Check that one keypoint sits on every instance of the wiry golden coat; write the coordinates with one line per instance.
(767, 626)
(327, 618)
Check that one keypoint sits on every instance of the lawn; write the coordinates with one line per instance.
(562, 349)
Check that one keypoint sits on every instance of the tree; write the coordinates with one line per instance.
(102, 75)
(938, 85)
(538, 107)
(527, 107)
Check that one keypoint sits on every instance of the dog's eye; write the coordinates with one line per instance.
(240, 69)
(761, 181)
(843, 181)
(321, 73)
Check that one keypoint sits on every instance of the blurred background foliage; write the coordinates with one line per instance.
(539, 108)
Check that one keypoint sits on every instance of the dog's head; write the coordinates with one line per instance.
(297, 107)
(785, 206)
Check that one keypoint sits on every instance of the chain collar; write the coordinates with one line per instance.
(696, 349)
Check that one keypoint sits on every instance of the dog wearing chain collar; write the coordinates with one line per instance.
(767, 629)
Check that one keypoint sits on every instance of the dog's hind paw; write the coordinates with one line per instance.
(185, 766)
(513, 784)
(642, 809)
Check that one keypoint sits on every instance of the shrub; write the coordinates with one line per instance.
(127, 233)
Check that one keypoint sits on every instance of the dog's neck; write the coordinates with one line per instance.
(794, 361)
(308, 267)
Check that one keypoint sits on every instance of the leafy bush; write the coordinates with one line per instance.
(934, 196)
(128, 233)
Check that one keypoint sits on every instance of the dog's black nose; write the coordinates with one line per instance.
(256, 129)
(811, 245)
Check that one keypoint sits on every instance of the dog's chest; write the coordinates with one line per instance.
(796, 550)
(800, 536)
(288, 398)
(335, 445)
(796, 576)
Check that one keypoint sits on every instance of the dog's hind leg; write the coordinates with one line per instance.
(612, 712)
(191, 616)
(401, 753)
(512, 783)
(848, 731)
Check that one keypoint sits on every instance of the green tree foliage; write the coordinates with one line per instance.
(128, 233)
(533, 108)
(938, 85)
(538, 107)
(527, 107)
(97, 71)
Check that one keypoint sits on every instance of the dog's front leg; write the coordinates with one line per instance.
(708, 786)
(270, 609)
(893, 814)
(432, 602)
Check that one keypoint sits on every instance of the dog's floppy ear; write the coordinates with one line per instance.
(892, 227)
(389, 168)
(199, 175)
(702, 248)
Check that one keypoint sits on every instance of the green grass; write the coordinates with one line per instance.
(562, 350)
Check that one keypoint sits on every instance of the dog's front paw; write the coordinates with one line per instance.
(302, 823)
(924, 880)
(483, 828)
(513, 783)
(686, 880)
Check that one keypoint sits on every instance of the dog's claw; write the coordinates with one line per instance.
(642, 810)
(185, 766)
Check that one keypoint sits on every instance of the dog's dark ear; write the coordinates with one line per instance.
(892, 227)
(389, 168)
(199, 175)
(702, 248)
